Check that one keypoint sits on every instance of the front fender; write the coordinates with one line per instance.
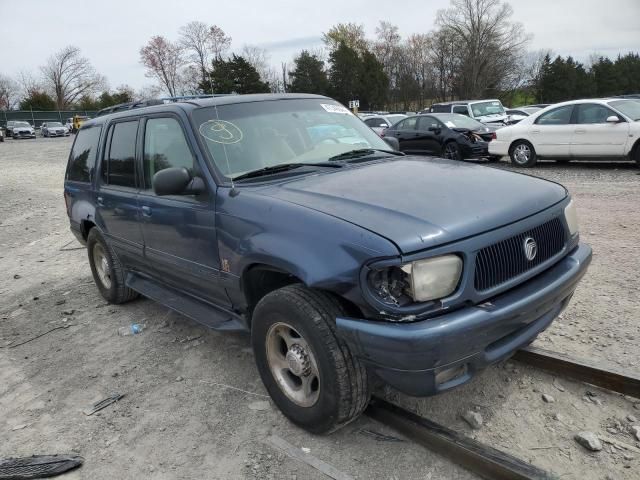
(321, 250)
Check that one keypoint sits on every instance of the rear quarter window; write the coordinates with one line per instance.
(82, 159)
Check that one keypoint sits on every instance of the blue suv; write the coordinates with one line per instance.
(287, 217)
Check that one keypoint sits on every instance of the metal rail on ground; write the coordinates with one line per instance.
(481, 459)
(601, 375)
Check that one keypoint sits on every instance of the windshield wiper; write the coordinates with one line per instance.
(283, 167)
(362, 152)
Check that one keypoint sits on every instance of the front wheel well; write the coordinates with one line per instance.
(85, 228)
(260, 280)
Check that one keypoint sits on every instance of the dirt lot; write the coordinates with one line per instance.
(180, 418)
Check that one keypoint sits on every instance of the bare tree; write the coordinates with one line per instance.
(163, 60)
(444, 59)
(351, 34)
(195, 38)
(219, 42)
(68, 76)
(489, 42)
(258, 58)
(9, 93)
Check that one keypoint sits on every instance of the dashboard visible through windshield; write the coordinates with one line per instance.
(245, 137)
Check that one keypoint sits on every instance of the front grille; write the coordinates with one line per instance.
(502, 261)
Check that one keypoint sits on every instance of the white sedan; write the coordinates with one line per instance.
(579, 129)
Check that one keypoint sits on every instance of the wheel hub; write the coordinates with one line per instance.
(298, 361)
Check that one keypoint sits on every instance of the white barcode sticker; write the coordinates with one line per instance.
(335, 108)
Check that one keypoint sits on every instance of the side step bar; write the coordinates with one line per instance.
(202, 312)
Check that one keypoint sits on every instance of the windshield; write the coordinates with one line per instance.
(54, 124)
(492, 107)
(631, 108)
(243, 137)
(455, 120)
(21, 124)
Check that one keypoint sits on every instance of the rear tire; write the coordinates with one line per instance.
(522, 154)
(307, 369)
(107, 270)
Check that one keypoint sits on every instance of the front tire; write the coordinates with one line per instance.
(307, 369)
(451, 151)
(107, 270)
(523, 154)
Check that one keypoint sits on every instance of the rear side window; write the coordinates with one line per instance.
(119, 166)
(82, 160)
(557, 116)
(441, 108)
(165, 146)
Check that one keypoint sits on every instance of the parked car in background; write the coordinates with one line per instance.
(344, 260)
(9, 127)
(485, 111)
(447, 135)
(2, 134)
(53, 129)
(379, 123)
(22, 130)
(517, 114)
(580, 129)
(69, 124)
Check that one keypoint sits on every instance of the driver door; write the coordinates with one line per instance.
(179, 230)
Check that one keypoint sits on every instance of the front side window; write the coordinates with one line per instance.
(122, 153)
(593, 113)
(165, 146)
(247, 136)
(425, 123)
(557, 116)
(83, 155)
(462, 109)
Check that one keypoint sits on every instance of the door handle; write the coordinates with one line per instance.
(101, 201)
(581, 131)
(146, 211)
(535, 131)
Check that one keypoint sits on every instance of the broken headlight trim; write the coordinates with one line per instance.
(419, 281)
(571, 216)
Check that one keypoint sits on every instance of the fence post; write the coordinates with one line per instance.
(33, 121)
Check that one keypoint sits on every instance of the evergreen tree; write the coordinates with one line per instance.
(235, 75)
(308, 75)
(38, 100)
(345, 73)
(374, 83)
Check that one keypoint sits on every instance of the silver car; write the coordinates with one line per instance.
(379, 123)
(53, 129)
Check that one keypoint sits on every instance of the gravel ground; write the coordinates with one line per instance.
(179, 418)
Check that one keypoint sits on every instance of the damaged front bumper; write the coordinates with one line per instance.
(431, 356)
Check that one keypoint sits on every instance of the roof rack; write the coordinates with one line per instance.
(155, 101)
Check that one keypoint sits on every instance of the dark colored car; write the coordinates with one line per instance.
(287, 217)
(447, 135)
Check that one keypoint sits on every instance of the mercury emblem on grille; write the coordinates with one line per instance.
(530, 248)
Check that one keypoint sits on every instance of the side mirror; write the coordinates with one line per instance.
(613, 119)
(177, 181)
(434, 129)
(392, 142)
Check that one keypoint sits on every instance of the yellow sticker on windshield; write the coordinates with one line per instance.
(220, 131)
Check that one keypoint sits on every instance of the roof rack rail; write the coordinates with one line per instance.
(154, 101)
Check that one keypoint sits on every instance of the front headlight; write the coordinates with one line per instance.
(419, 281)
(571, 215)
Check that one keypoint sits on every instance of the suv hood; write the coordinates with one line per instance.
(418, 202)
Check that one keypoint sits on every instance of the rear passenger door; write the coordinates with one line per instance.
(406, 133)
(429, 134)
(552, 132)
(117, 212)
(179, 230)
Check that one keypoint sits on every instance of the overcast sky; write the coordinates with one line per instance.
(111, 33)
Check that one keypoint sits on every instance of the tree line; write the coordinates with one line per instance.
(475, 50)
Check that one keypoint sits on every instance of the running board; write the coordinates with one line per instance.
(202, 312)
